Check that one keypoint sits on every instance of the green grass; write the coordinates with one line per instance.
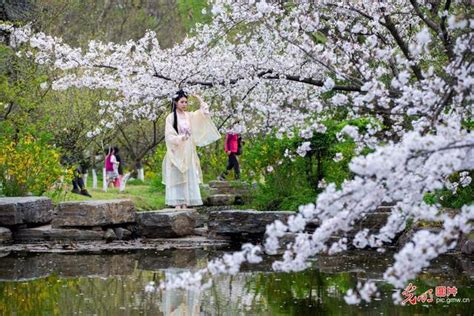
(141, 195)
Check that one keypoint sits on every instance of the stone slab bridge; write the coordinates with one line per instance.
(35, 224)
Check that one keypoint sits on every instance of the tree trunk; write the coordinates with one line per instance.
(84, 177)
(141, 174)
(104, 180)
(140, 170)
(123, 183)
(94, 178)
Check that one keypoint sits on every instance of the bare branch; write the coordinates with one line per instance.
(403, 46)
(420, 14)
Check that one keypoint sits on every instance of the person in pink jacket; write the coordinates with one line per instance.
(232, 149)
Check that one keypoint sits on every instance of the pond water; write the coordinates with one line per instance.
(114, 284)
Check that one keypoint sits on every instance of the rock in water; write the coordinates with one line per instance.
(242, 223)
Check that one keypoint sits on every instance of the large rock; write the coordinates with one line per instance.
(94, 213)
(463, 245)
(243, 223)
(25, 210)
(45, 233)
(5, 235)
(373, 221)
(167, 223)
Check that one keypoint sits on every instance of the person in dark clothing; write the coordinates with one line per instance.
(118, 180)
(231, 148)
(78, 183)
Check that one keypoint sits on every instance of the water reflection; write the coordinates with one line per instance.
(114, 284)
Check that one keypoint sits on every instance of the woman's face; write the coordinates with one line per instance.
(182, 104)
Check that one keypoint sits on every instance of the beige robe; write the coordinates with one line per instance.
(181, 167)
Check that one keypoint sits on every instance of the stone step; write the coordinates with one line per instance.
(168, 223)
(217, 184)
(243, 224)
(223, 199)
(94, 213)
(229, 190)
(47, 232)
(25, 210)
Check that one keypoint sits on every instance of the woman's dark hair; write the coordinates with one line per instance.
(180, 94)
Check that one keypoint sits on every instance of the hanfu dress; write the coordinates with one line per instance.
(181, 167)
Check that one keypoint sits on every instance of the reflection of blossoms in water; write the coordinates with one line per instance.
(362, 292)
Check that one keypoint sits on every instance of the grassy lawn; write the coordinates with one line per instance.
(141, 195)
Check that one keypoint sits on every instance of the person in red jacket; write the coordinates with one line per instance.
(231, 148)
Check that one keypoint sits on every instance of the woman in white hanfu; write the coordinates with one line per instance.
(181, 168)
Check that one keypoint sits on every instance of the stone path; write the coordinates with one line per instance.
(33, 224)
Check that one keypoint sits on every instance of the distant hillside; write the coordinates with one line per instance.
(78, 21)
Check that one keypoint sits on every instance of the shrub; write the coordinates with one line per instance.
(28, 164)
(459, 191)
(286, 181)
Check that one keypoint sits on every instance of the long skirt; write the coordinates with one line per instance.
(184, 193)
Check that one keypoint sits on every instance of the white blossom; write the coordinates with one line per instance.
(338, 157)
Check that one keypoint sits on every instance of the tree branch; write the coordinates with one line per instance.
(267, 74)
(403, 46)
(445, 35)
(420, 14)
(10, 108)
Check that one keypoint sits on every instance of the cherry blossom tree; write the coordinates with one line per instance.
(278, 66)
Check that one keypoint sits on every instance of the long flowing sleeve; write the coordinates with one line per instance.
(203, 129)
(175, 145)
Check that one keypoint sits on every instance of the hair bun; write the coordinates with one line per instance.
(180, 94)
